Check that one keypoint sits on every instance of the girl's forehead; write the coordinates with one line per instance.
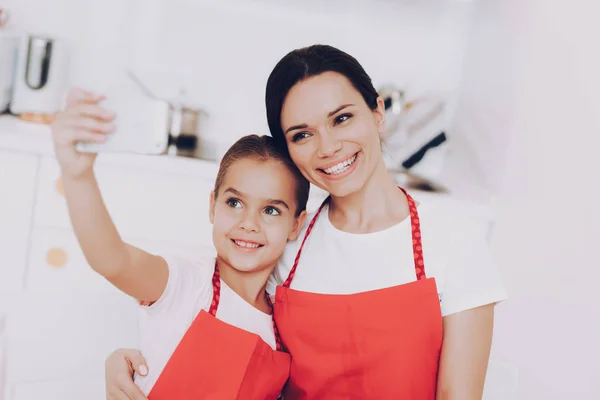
(266, 179)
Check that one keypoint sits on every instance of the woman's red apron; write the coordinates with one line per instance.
(380, 344)
(215, 360)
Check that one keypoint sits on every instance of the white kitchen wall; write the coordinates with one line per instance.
(486, 107)
(222, 52)
(547, 220)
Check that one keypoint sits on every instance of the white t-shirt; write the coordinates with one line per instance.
(189, 290)
(455, 252)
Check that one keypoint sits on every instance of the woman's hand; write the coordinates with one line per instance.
(83, 120)
(119, 369)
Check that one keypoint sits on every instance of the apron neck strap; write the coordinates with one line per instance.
(214, 305)
(216, 282)
(416, 239)
(415, 223)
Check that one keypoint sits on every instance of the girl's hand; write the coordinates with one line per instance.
(119, 368)
(83, 120)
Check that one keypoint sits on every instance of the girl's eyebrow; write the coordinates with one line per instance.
(269, 201)
(278, 202)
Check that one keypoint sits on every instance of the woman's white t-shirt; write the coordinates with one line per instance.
(455, 253)
(189, 290)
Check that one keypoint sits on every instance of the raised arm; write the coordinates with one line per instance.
(132, 270)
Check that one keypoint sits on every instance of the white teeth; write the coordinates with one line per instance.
(246, 244)
(341, 167)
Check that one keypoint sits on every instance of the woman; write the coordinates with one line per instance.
(383, 297)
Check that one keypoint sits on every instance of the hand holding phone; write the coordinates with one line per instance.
(141, 126)
(84, 120)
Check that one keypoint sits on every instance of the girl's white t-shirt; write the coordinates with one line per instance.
(455, 253)
(189, 290)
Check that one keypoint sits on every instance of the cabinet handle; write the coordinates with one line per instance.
(59, 187)
(56, 257)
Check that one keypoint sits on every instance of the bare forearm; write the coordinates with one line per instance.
(465, 354)
(98, 237)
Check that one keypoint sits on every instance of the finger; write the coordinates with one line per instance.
(91, 111)
(138, 362)
(127, 385)
(78, 95)
(91, 125)
(85, 136)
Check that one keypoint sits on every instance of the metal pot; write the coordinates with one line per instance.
(185, 128)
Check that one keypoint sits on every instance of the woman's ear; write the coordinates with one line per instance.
(211, 208)
(298, 225)
(379, 113)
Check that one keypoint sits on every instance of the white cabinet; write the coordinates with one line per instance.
(56, 336)
(17, 192)
(57, 265)
(145, 204)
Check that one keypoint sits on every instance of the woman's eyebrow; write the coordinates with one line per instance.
(340, 108)
(304, 126)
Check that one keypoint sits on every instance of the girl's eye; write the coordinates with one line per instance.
(299, 136)
(272, 211)
(234, 203)
(341, 118)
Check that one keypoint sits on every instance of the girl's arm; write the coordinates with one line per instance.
(465, 354)
(132, 270)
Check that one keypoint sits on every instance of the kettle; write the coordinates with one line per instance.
(40, 75)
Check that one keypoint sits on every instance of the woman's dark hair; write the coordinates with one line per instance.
(263, 148)
(304, 63)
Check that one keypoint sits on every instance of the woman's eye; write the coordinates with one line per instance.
(234, 203)
(272, 211)
(341, 118)
(299, 136)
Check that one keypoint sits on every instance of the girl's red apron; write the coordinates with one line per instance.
(215, 360)
(380, 344)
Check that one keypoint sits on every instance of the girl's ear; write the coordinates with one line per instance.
(298, 225)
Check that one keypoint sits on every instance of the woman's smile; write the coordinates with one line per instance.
(340, 169)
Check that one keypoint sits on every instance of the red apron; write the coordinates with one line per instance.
(379, 344)
(215, 360)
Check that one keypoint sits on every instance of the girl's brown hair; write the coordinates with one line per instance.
(263, 148)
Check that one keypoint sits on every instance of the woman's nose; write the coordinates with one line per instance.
(327, 144)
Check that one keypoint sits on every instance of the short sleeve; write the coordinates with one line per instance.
(472, 279)
(188, 280)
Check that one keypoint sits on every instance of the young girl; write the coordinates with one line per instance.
(208, 330)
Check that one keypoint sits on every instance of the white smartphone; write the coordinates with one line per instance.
(142, 127)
